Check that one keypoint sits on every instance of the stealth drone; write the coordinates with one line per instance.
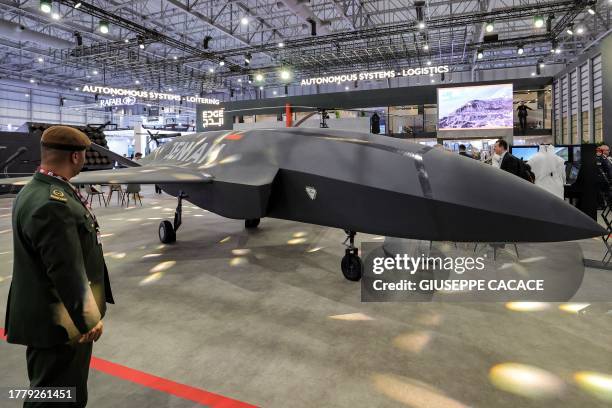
(353, 181)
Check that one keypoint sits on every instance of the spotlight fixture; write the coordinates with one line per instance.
(590, 10)
(169, 89)
(95, 72)
(239, 80)
(533, 74)
(211, 70)
(274, 92)
(421, 25)
(175, 57)
(281, 44)
(41, 59)
(261, 88)
(206, 41)
(425, 46)
(580, 30)
(538, 21)
(45, 6)
(141, 42)
(428, 62)
(549, 21)
(346, 88)
(55, 16)
(479, 54)
(247, 58)
(520, 50)
(32, 80)
(433, 81)
(489, 27)
(104, 26)
(570, 29)
(221, 63)
(419, 4)
(79, 39)
(313, 27)
(285, 75)
(76, 88)
(127, 41)
(137, 82)
(539, 67)
(553, 47)
(244, 20)
(259, 77)
(78, 4)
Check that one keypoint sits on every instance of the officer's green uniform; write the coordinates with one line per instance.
(60, 284)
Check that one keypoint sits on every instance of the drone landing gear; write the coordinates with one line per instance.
(251, 223)
(167, 230)
(351, 264)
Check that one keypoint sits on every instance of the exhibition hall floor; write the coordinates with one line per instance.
(266, 318)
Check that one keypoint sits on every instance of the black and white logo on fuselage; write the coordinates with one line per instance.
(312, 192)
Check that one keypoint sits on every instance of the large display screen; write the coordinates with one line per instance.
(475, 107)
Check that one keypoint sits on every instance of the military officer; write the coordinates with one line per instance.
(60, 283)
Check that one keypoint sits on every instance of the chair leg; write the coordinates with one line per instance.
(139, 198)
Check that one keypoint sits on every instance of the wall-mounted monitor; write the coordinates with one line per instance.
(479, 107)
(524, 152)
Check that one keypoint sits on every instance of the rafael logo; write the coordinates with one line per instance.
(312, 192)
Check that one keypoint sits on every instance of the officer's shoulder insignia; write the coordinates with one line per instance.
(57, 195)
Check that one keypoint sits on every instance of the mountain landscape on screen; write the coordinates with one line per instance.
(478, 113)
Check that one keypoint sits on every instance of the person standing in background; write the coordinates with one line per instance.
(522, 115)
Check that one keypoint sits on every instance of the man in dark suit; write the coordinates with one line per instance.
(60, 283)
(507, 161)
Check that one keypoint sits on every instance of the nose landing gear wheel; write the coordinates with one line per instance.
(251, 223)
(167, 235)
(352, 267)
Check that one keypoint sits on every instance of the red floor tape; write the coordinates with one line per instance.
(161, 384)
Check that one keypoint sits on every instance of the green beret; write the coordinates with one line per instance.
(64, 138)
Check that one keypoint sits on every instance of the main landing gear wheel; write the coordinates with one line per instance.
(167, 230)
(351, 264)
(167, 235)
(251, 223)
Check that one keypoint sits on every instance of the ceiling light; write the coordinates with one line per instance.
(433, 81)
(520, 50)
(247, 59)
(533, 74)
(259, 77)
(570, 29)
(169, 89)
(590, 10)
(141, 42)
(211, 70)
(428, 62)
(137, 82)
(425, 46)
(346, 88)
(95, 72)
(285, 75)
(244, 20)
(261, 88)
(542, 65)
(45, 6)
(141, 46)
(175, 58)
(489, 27)
(41, 59)
(538, 21)
(281, 44)
(104, 26)
(274, 92)
(580, 30)
(558, 50)
(240, 80)
(76, 88)
(127, 41)
(27, 95)
(32, 80)
(421, 25)
(55, 16)
(479, 54)
(78, 4)
(221, 63)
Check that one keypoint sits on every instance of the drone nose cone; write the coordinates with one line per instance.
(476, 202)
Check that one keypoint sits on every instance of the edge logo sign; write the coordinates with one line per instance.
(127, 100)
(312, 192)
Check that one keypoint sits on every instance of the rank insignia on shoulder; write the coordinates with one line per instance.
(58, 195)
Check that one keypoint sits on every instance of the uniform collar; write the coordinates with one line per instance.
(50, 179)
